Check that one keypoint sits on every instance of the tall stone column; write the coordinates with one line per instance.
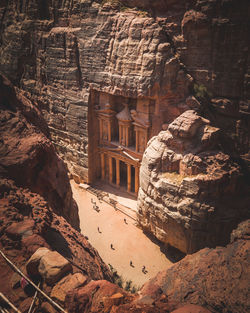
(120, 133)
(128, 177)
(137, 140)
(117, 172)
(103, 165)
(101, 129)
(110, 170)
(126, 137)
(109, 132)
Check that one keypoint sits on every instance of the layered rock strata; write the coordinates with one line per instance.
(64, 52)
(191, 193)
(27, 155)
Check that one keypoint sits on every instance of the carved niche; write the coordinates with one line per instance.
(125, 127)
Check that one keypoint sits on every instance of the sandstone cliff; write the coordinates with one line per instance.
(28, 223)
(191, 193)
(63, 51)
(28, 156)
(36, 204)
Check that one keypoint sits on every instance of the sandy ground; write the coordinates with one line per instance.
(129, 242)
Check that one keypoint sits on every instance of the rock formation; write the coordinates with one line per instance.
(35, 196)
(28, 156)
(167, 57)
(214, 278)
(68, 54)
(29, 223)
(191, 193)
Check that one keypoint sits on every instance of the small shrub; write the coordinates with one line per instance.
(119, 282)
(134, 289)
(128, 285)
(200, 92)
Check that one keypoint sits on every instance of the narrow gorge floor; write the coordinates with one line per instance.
(129, 242)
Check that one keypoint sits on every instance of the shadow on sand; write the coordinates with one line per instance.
(171, 253)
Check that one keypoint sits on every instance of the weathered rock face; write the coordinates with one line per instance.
(97, 296)
(62, 52)
(214, 278)
(191, 194)
(28, 156)
(28, 225)
(214, 49)
(29, 222)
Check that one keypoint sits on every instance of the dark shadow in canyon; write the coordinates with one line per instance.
(57, 242)
(172, 254)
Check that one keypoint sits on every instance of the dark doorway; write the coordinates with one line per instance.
(114, 171)
(123, 174)
(132, 179)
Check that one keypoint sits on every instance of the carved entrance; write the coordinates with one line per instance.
(121, 130)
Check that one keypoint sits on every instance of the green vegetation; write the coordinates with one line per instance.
(201, 92)
(118, 280)
(128, 285)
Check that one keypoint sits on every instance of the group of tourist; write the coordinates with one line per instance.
(96, 208)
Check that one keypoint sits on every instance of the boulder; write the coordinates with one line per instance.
(96, 296)
(192, 194)
(34, 261)
(53, 266)
(67, 284)
(48, 308)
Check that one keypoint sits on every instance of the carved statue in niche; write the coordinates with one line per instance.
(105, 115)
(139, 120)
(125, 126)
(105, 130)
(141, 126)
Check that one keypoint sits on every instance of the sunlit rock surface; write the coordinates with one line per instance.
(149, 51)
(191, 194)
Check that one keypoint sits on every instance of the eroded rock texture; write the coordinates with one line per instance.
(27, 156)
(28, 225)
(35, 201)
(214, 278)
(192, 194)
(63, 51)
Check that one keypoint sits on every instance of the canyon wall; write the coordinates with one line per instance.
(171, 56)
(37, 209)
(28, 156)
(192, 194)
(63, 51)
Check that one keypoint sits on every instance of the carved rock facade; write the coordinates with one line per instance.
(191, 194)
(70, 54)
